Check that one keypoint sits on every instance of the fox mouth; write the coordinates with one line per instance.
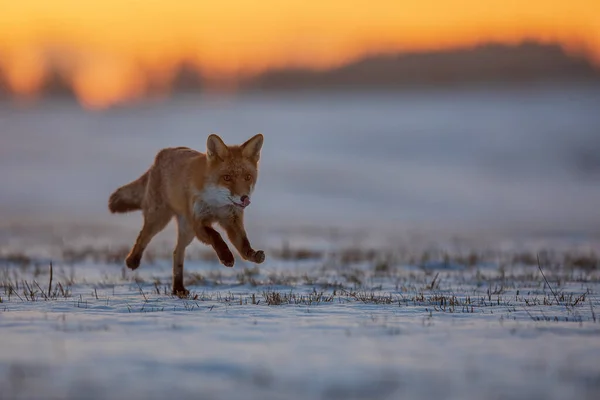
(240, 205)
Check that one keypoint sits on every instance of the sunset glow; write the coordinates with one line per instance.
(110, 50)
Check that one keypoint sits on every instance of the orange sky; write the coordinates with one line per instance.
(110, 49)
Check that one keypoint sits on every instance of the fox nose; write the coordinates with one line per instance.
(245, 200)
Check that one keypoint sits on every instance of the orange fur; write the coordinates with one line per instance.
(199, 190)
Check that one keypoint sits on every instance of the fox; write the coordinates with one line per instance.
(198, 190)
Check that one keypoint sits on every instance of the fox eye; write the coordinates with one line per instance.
(227, 178)
(248, 177)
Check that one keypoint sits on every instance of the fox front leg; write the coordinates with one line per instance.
(237, 234)
(208, 235)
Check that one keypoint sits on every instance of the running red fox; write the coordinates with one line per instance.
(198, 189)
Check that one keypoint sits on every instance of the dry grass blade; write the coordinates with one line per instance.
(11, 290)
(50, 282)
(29, 294)
(548, 283)
(274, 298)
(41, 290)
(432, 284)
(530, 316)
(592, 308)
(142, 292)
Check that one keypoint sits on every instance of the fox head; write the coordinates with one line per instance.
(231, 171)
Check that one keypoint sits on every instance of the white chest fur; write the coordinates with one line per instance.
(213, 202)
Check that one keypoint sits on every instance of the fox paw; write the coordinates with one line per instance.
(133, 261)
(227, 260)
(180, 292)
(259, 256)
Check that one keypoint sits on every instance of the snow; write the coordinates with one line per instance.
(499, 174)
(115, 338)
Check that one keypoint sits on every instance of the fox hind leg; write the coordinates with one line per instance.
(154, 222)
(185, 236)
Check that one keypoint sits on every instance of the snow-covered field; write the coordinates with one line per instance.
(344, 325)
(413, 219)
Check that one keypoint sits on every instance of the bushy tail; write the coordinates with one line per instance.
(129, 197)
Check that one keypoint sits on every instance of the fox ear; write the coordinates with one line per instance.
(251, 148)
(215, 148)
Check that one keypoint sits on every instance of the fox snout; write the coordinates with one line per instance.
(241, 201)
